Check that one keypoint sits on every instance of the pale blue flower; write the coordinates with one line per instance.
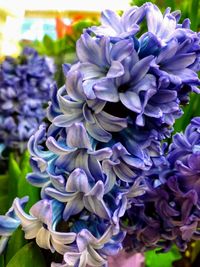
(41, 225)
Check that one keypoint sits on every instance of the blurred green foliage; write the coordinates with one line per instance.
(14, 183)
(155, 259)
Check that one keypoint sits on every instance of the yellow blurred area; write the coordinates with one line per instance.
(12, 13)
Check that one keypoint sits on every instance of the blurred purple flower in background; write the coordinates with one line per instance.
(24, 91)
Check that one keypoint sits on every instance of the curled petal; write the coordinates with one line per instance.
(77, 182)
(57, 147)
(98, 133)
(73, 207)
(78, 137)
(111, 123)
(43, 239)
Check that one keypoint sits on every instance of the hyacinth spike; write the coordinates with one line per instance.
(108, 179)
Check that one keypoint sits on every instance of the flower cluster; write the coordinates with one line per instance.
(24, 91)
(106, 183)
(169, 210)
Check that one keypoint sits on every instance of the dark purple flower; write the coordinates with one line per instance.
(184, 156)
(169, 211)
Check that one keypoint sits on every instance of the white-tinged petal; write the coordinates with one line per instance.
(116, 70)
(97, 132)
(60, 196)
(32, 229)
(104, 238)
(111, 20)
(106, 90)
(93, 257)
(77, 182)
(58, 148)
(111, 123)
(23, 217)
(62, 237)
(43, 239)
(77, 136)
(68, 119)
(71, 258)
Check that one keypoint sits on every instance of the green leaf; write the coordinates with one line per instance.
(2, 261)
(3, 204)
(49, 45)
(194, 10)
(4, 184)
(170, 3)
(28, 256)
(14, 174)
(154, 259)
(25, 161)
(17, 183)
(191, 110)
(24, 188)
(15, 243)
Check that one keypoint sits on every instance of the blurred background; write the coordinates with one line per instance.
(52, 29)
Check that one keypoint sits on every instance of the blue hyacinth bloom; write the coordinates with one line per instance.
(108, 180)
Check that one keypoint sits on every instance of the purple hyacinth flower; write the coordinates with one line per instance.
(117, 27)
(90, 250)
(79, 194)
(184, 156)
(163, 26)
(41, 224)
(24, 92)
(99, 58)
(73, 106)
